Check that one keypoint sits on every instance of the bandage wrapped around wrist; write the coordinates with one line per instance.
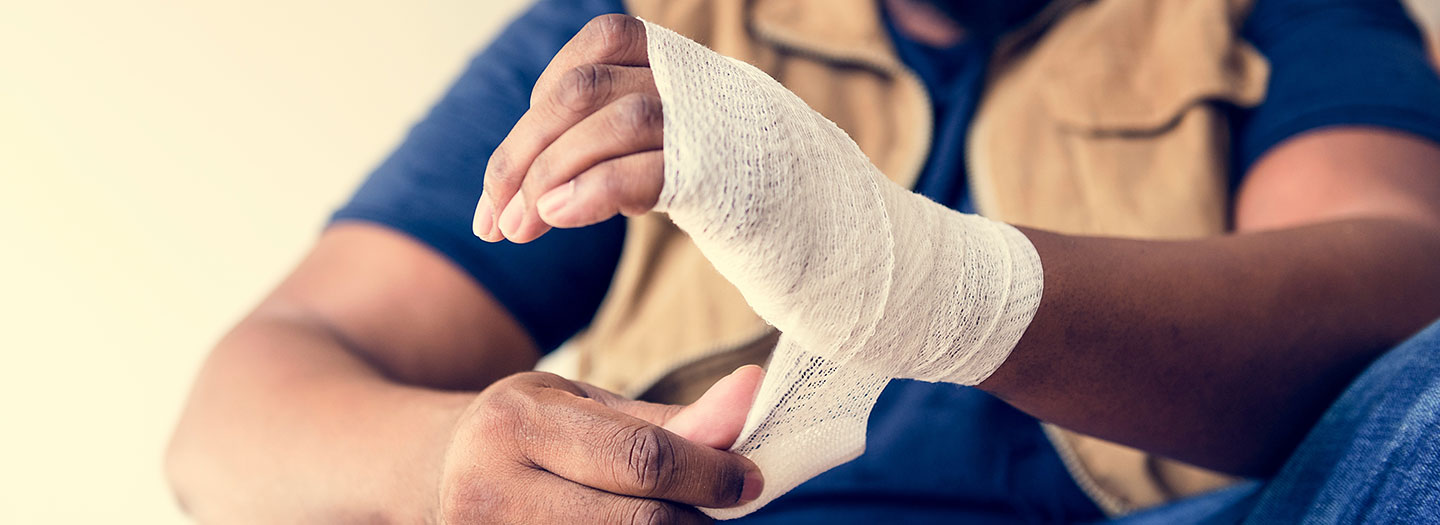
(866, 280)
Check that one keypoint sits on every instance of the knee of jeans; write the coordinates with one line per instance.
(1414, 359)
(1399, 389)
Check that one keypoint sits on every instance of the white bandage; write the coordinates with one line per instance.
(866, 280)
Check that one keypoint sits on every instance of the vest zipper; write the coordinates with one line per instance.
(1111, 505)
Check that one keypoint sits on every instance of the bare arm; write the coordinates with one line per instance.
(368, 388)
(1224, 351)
(301, 413)
(1220, 351)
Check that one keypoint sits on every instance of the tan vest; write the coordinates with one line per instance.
(1097, 118)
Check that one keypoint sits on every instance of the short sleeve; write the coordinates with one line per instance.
(427, 188)
(1336, 62)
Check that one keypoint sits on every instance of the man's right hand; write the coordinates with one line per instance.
(537, 448)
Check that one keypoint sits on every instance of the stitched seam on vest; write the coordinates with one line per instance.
(1109, 503)
(822, 53)
(982, 193)
(926, 120)
(915, 160)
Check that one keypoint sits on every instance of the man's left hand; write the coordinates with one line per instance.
(590, 145)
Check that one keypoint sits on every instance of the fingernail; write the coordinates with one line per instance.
(514, 212)
(747, 367)
(754, 485)
(484, 218)
(555, 200)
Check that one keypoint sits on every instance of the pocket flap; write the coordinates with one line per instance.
(1136, 66)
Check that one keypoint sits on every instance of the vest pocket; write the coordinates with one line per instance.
(1112, 123)
(1133, 67)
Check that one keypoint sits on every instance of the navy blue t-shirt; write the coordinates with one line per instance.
(935, 452)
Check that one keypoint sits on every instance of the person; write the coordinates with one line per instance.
(1236, 206)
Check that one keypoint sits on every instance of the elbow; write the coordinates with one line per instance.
(181, 467)
(202, 484)
(194, 463)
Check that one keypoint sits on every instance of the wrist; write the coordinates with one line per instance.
(426, 431)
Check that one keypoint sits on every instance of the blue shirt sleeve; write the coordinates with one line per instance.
(429, 185)
(1336, 62)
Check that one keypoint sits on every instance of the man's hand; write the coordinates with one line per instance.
(590, 145)
(536, 448)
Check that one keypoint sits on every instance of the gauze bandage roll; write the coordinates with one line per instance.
(866, 280)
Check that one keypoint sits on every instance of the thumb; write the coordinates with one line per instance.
(715, 420)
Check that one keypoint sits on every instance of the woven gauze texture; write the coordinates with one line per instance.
(867, 281)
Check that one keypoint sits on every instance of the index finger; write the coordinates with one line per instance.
(607, 40)
(614, 39)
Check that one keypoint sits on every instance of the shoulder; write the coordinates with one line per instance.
(428, 186)
(1337, 62)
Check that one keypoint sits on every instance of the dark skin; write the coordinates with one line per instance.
(1125, 326)
(367, 386)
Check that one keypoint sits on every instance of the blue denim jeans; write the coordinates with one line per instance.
(1374, 457)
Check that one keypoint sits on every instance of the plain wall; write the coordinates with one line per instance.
(162, 164)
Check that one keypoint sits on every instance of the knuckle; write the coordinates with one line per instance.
(617, 184)
(506, 406)
(582, 88)
(535, 380)
(648, 456)
(633, 187)
(496, 424)
(650, 512)
(632, 200)
(497, 170)
(638, 112)
(540, 170)
(615, 34)
(471, 500)
(611, 179)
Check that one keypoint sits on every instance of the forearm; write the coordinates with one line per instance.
(869, 282)
(286, 426)
(1219, 351)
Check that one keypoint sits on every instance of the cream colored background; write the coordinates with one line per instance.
(162, 163)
